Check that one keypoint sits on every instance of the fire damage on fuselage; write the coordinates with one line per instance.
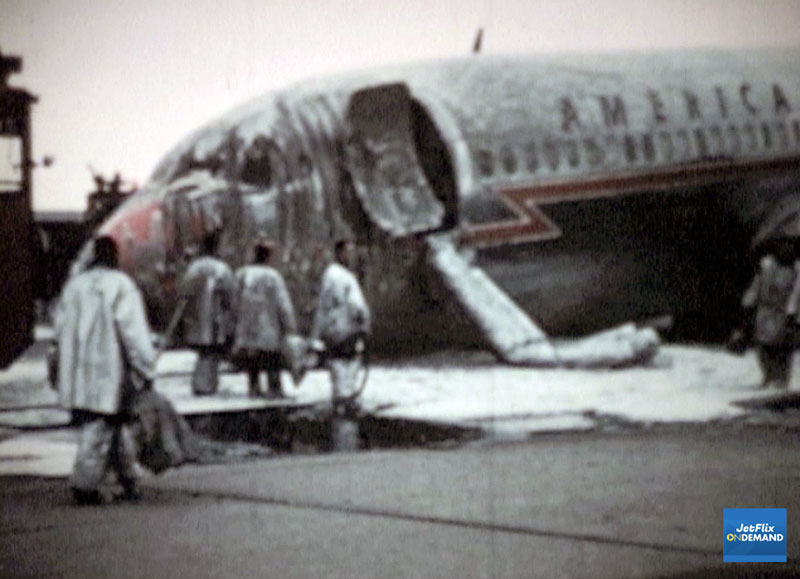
(588, 197)
(287, 176)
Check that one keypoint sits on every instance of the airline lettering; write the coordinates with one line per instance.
(613, 107)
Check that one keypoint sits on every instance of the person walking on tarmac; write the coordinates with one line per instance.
(264, 317)
(104, 355)
(207, 298)
(772, 305)
(342, 323)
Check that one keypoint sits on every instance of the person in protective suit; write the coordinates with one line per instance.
(264, 318)
(104, 355)
(771, 308)
(342, 324)
(207, 293)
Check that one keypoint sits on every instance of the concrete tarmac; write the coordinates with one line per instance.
(640, 503)
(579, 474)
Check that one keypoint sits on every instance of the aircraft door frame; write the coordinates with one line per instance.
(381, 155)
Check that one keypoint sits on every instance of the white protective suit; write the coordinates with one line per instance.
(104, 354)
(342, 313)
(102, 333)
(264, 319)
(264, 311)
(208, 288)
(774, 296)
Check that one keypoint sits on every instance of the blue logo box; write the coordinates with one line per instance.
(754, 535)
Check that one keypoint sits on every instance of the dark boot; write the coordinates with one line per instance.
(254, 390)
(274, 390)
(274, 394)
(130, 492)
(86, 497)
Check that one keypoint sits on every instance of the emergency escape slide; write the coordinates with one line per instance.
(394, 192)
(514, 337)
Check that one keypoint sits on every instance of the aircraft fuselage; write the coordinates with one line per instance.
(592, 189)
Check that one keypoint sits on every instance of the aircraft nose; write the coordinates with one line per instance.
(134, 228)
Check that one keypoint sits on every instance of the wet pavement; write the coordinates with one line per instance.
(440, 399)
(644, 503)
(473, 470)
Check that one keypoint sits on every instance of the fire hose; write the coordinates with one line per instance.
(358, 349)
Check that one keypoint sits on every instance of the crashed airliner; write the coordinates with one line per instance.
(497, 201)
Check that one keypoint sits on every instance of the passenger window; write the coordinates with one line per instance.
(531, 158)
(783, 135)
(648, 147)
(485, 161)
(551, 156)
(750, 141)
(257, 168)
(716, 144)
(766, 134)
(573, 154)
(630, 149)
(509, 159)
(684, 148)
(304, 165)
(595, 155)
(666, 145)
(700, 140)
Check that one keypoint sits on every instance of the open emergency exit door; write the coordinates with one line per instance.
(381, 155)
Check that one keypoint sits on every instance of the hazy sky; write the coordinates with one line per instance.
(121, 81)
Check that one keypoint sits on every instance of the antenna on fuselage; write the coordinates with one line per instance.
(476, 46)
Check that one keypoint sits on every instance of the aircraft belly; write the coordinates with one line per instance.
(577, 294)
(619, 260)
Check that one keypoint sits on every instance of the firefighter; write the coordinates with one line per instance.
(207, 294)
(342, 324)
(104, 354)
(264, 319)
(771, 304)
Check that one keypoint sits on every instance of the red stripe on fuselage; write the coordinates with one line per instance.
(533, 225)
(131, 227)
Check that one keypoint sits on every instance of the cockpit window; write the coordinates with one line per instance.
(257, 167)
